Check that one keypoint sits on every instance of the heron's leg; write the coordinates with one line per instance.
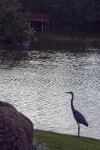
(78, 129)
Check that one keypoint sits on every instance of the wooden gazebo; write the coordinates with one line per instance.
(43, 18)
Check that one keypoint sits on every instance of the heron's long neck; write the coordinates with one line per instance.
(72, 103)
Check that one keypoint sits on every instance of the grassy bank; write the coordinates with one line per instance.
(56, 141)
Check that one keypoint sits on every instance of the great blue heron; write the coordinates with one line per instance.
(80, 119)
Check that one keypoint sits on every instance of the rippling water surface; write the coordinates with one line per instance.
(36, 86)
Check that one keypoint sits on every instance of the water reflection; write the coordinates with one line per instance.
(36, 81)
(70, 41)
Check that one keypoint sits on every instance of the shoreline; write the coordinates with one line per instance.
(57, 141)
(59, 133)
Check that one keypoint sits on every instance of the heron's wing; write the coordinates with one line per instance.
(80, 118)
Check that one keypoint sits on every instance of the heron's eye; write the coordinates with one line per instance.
(74, 112)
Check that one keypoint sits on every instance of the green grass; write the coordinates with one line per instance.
(56, 141)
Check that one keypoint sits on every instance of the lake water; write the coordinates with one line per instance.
(35, 82)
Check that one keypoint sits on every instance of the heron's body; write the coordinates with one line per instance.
(80, 119)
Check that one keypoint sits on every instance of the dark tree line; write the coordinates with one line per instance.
(74, 13)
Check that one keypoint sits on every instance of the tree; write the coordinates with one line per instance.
(12, 23)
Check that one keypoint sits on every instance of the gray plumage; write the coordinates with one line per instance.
(80, 119)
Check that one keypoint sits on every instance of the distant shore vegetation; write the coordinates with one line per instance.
(64, 14)
(79, 14)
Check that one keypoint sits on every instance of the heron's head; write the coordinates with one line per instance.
(70, 93)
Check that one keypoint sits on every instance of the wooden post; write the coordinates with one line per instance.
(42, 26)
(45, 26)
(42, 23)
(48, 25)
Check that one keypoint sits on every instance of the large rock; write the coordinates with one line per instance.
(16, 130)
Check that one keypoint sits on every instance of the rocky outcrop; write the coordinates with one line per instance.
(16, 130)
